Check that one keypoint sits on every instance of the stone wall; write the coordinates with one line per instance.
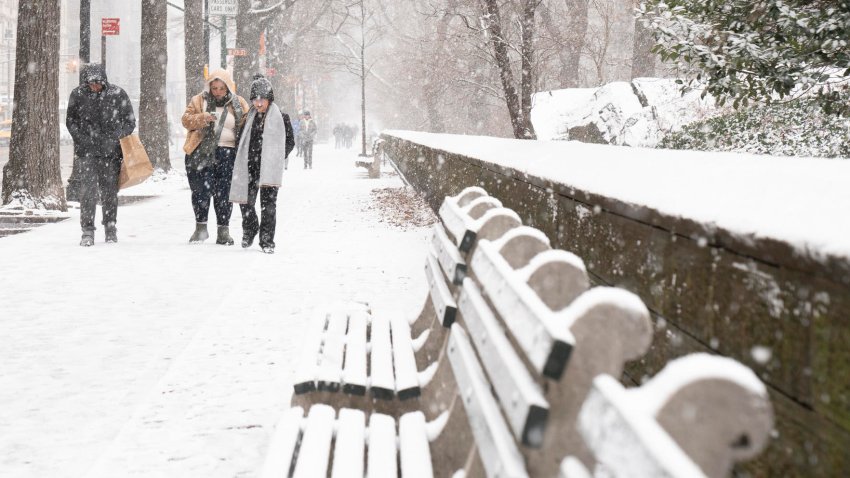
(787, 319)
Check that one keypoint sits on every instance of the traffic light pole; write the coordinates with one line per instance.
(72, 193)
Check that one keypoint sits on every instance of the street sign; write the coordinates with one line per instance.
(224, 7)
(110, 26)
(237, 52)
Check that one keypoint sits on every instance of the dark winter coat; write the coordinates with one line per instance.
(97, 121)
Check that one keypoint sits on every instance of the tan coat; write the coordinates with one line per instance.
(193, 117)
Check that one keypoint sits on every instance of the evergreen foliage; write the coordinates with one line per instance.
(763, 50)
(801, 128)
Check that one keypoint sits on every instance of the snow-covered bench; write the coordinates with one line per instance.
(355, 359)
(697, 417)
(526, 343)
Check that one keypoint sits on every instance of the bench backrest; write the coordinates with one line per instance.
(697, 417)
(523, 307)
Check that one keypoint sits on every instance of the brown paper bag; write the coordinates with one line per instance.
(136, 167)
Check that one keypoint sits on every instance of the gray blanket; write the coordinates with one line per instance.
(274, 151)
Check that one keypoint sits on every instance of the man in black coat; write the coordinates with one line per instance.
(99, 114)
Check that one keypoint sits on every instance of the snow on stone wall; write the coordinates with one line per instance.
(636, 113)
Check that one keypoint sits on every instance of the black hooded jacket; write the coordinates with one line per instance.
(97, 121)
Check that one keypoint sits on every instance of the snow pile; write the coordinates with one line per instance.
(636, 113)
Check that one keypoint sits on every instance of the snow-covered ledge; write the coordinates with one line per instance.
(742, 255)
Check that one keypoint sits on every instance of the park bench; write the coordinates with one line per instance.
(353, 358)
(373, 163)
(526, 347)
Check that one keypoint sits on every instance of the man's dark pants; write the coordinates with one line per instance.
(98, 173)
(213, 182)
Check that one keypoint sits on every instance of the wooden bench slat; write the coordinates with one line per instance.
(406, 375)
(304, 379)
(333, 348)
(382, 447)
(354, 376)
(381, 359)
(350, 448)
(441, 297)
(522, 399)
(496, 445)
(526, 316)
(316, 443)
(453, 265)
(414, 450)
(282, 446)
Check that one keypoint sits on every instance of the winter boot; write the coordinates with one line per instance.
(88, 239)
(200, 235)
(268, 249)
(224, 236)
(111, 232)
(248, 239)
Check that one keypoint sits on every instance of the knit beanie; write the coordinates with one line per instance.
(261, 88)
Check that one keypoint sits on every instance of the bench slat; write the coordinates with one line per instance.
(330, 368)
(354, 375)
(441, 297)
(521, 397)
(526, 316)
(305, 375)
(406, 375)
(496, 445)
(382, 447)
(281, 448)
(381, 359)
(316, 443)
(448, 256)
(414, 450)
(350, 448)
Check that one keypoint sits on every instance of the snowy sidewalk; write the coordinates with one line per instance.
(152, 357)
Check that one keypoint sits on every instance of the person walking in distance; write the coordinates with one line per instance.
(98, 115)
(308, 130)
(214, 119)
(265, 143)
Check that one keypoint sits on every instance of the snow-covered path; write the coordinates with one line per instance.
(152, 357)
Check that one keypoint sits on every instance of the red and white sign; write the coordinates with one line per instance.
(110, 26)
(237, 52)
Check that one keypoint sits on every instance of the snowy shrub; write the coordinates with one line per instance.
(800, 128)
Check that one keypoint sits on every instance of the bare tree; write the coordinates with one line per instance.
(600, 39)
(153, 113)
(193, 26)
(32, 176)
(565, 23)
(518, 103)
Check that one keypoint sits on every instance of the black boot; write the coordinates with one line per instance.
(200, 235)
(111, 232)
(88, 239)
(224, 236)
(248, 239)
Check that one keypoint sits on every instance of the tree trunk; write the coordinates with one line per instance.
(519, 122)
(527, 85)
(570, 55)
(153, 114)
(248, 30)
(32, 176)
(193, 25)
(643, 60)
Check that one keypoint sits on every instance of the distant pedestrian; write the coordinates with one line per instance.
(214, 119)
(98, 115)
(308, 131)
(265, 143)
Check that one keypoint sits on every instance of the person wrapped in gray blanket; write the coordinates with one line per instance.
(264, 146)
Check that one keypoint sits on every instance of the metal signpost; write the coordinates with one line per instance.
(223, 8)
(108, 27)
